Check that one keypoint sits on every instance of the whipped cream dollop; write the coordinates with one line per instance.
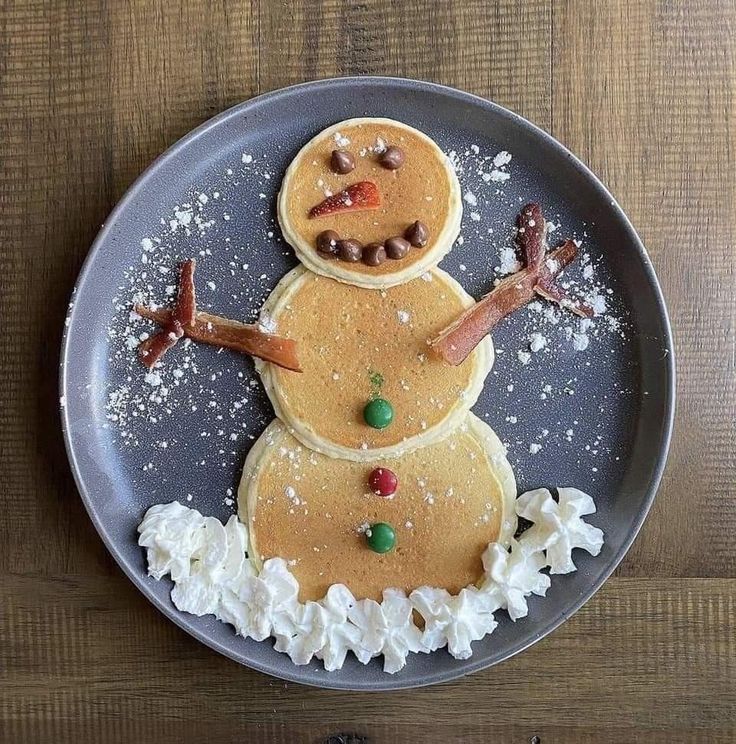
(211, 572)
(454, 621)
(512, 575)
(558, 526)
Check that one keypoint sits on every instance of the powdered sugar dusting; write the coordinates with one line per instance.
(538, 345)
(501, 159)
(509, 262)
(209, 399)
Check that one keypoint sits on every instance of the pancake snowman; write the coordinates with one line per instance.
(372, 400)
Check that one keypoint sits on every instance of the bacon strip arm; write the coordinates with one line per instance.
(456, 341)
(218, 331)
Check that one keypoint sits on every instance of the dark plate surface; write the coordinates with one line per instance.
(606, 410)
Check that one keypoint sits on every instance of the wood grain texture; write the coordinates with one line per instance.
(652, 108)
(60, 654)
(473, 45)
(90, 93)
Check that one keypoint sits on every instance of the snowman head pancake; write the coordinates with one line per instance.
(371, 202)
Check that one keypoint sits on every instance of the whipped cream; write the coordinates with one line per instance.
(558, 527)
(513, 575)
(454, 621)
(211, 572)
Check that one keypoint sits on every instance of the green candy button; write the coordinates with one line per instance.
(381, 537)
(378, 413)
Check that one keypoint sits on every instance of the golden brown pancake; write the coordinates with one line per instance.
(425, 188)
(453, 498)
(355, 343)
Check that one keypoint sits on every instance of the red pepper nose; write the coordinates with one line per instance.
(361, 195)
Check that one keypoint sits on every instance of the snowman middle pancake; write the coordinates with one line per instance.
(356, 343)
(453, 498)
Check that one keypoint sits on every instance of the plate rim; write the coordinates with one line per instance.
(469, 666)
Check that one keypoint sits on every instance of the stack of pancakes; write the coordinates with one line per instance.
(362, 330)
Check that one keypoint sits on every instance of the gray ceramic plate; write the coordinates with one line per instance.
(607, 410)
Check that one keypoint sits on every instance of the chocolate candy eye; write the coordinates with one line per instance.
(392, 158)
(342, 162)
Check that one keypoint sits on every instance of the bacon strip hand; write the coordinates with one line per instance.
(154, 347)
(184, 320)
(457, 341)
(185, 310)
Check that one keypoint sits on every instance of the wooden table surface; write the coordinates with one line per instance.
(91, 92)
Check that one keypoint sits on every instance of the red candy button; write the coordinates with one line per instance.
(383, 482)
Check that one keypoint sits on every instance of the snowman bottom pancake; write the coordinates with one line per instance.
(453, 498)
(356, 344)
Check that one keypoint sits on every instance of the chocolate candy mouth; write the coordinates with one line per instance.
(331, 246)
